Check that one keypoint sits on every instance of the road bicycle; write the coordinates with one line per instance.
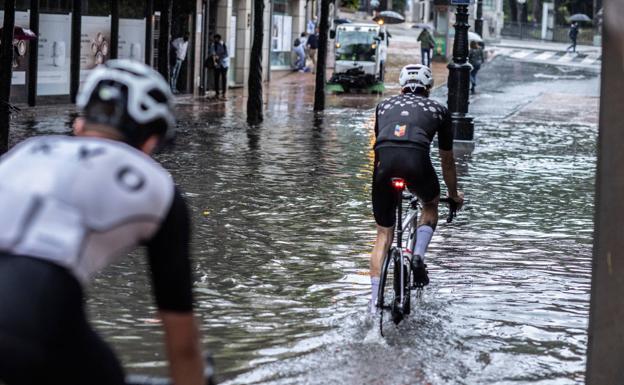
(396, 299)
(209, 375)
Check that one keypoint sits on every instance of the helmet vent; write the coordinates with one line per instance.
(158, 96)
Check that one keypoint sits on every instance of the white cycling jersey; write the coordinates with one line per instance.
(80, 202)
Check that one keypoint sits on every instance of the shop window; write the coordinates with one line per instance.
(55, 6)
(96, 8)
(131, 9)
(281, 6)
(281, 44)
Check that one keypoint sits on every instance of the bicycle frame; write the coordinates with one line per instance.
(403, 225)
(399, 254)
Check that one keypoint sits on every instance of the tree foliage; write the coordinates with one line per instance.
(399, 6)
(350, 4)
(531, 11)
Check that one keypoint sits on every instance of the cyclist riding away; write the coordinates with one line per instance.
(69, 206)
(405, 126)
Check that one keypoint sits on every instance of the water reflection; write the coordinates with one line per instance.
(283, 231)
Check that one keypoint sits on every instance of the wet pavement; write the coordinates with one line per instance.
(283, 231)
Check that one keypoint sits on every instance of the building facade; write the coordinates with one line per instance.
(67, 54)
(436, 12)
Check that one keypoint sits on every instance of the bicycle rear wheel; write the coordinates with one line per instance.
(385, 293)
(404, 281)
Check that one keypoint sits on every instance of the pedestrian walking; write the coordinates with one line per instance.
(311, 27)
(475, 58)
(303, 38)
(312, 44)
(573, 34)
(218, 52)
(180, 47)
(383, 55)
(427, 43)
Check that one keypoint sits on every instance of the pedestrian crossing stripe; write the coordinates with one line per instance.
(590, 59)
(503, 51)
(521, 54)
(553, 57)
(566, 58)
(545, 55)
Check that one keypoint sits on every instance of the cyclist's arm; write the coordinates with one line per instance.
(445, 144)
(376, 133)
(183, 350)
(168, 253)
(449, 172)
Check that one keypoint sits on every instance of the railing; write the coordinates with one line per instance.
(529, 31)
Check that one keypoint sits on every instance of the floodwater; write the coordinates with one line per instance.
(283, 231)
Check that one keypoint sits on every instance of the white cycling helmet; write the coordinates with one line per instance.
(415, 76)
(131, 97)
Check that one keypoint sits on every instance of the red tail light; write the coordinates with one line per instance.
(398, 183)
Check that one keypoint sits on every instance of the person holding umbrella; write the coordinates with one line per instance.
(427, 43)
(573, 34)
(475, 58)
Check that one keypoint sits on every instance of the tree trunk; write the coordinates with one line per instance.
(114, 47)
(537, 11)
(254, 101)
(74, 63)
(6, 72)
(166, 7)
(513, 11)
(321, 62)
(524, 14)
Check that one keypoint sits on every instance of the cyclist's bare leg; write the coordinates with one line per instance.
(429, 214)
(426, 226)
(382, 245)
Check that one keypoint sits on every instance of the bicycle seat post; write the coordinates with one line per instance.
(399, 185)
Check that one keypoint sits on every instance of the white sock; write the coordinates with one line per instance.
(423, 237)
(374, 291)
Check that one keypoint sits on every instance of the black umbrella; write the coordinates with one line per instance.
(341, 20)
(389, 17)
(580, 17)
(422, 25)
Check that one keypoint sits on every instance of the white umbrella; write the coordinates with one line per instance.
(473, 36)
(580, 17)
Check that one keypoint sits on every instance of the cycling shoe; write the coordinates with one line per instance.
(419, 269)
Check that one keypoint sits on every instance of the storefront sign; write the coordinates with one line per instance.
(54, 54)
(281, 41)
(276, 33)
(131, 39)
(20, 53)
(94, 43)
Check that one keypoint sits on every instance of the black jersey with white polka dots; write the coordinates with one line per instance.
(409, 120)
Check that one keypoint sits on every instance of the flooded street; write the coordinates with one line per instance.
(283, 231)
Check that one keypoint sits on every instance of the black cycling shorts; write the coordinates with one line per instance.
(413, 165)
(44, 334)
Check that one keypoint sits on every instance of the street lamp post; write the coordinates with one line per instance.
(479, 18)
(459, 76)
